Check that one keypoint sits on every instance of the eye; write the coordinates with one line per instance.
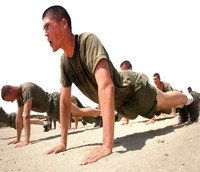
(46, 27)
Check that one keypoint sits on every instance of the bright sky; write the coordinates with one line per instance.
(154, 35)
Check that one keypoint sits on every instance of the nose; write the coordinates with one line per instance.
(45, 34)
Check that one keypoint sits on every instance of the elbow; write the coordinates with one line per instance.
(65, 105)
(65, 102)
(26, 116)
(109, 89)
(110, 86)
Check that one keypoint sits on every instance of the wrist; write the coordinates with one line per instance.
(108, 148)
(26, 140)
(63, 144)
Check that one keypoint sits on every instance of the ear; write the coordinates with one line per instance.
(12, 91)
(65, 24)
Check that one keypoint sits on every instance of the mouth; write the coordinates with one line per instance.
(50, 42)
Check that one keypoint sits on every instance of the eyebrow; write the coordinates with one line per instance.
(45, 25)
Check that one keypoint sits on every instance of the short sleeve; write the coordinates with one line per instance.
(27, 94)
(64, 78)
(95, 51)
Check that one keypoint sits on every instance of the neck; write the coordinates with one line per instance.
(18, 90)
(160, 85)
(69, 45)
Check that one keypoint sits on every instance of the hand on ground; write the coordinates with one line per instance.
(125, 123)
(151, 121)
(73, 128)
(172, 115)
(60, 148)
(96, 154)
(21, 144)
(13, 142)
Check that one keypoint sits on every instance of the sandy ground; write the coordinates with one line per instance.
(162, 146)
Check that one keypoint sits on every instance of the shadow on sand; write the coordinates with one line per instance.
(59, 135)
(137, 141)
(130, 142)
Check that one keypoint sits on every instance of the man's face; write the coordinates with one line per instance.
(124, 67)
(9, 98)
(156, 80)
(53, 32)
(12, 96)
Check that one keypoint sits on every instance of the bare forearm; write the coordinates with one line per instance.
(106, 100)
(18, 124)
(107, 108)
(27, 127)
(64, 121)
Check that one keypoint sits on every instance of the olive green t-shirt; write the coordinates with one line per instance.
(81, 67)
(166, 87)
(41, 100)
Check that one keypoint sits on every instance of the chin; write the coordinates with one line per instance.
(54, 50)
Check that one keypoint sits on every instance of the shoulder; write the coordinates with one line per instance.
(27, 85)
(167, 86)
(195, 93)
(87, 38)
(63, 57)
(86, 35)
(165, 83)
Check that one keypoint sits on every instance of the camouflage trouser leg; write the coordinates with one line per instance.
(183, 115)
(55, 110)
(193, 108)
(8, 119)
